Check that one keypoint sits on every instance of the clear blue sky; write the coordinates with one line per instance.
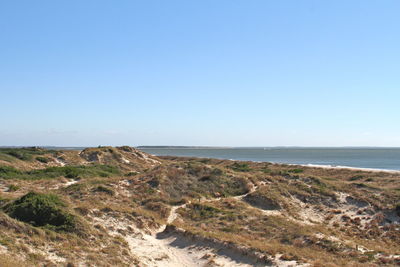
(226, 73)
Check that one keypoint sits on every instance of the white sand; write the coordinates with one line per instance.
(158, 248)
(346, 167)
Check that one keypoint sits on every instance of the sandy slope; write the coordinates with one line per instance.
(171, 249)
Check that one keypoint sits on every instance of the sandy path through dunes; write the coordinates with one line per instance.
(173, 249)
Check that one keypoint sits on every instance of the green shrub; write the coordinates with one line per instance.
(43, 159)
(205, 161)
(20, 155)
(73, 172)
(8, 171)
(357, 177)
(26, 153)
(217, 172)
(266, 170)
(240, 167)
(296, 170)
(131, 174)
(12, 188)
(79, 187)
(198, 212)
(105, 189)
(45, 210)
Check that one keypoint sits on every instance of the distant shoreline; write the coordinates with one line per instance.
(342, 168)
(301, 162)
(212, 147)
(265, 148)
(361, 159)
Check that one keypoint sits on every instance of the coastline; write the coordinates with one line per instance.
(331, 167)
(361, 159)
(309, 165)
(343, 167)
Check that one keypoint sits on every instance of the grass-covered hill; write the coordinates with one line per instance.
(118, 206)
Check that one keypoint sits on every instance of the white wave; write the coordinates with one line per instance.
(346, 167)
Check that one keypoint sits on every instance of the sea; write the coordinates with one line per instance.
(368, 158)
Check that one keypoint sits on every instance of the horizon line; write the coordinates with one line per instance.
(188, 146)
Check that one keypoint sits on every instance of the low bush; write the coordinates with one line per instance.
(357, 177)
(20, 155)
(240, 167)
(12, 188)
(73, 172)
(8, 172)
(43, 159)
(105, 189)
(43, 210)
(296, 170)
(198, 212)
(25, 154)
(263, 200)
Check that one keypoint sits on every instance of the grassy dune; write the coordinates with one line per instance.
(87, 207)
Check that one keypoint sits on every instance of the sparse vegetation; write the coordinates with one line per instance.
(25, 154)
(304, 214)
(265, 200)
(83, 171)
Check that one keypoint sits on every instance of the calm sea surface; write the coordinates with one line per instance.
(375, 158)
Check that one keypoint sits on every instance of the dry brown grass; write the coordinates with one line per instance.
(145, 191)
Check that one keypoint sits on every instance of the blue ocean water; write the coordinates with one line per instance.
(373, 158)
